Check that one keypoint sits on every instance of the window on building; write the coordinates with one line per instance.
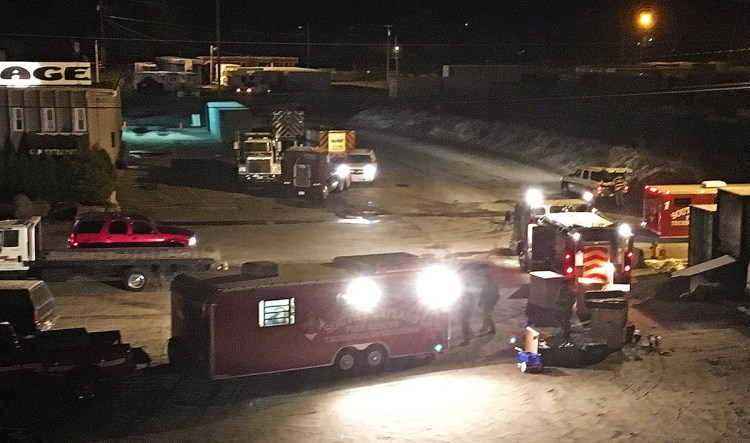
(79, 120)
(16, 114)
(48, 120)
(276, 312)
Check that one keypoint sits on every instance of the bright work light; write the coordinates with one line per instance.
(363, 293)
(438, 286)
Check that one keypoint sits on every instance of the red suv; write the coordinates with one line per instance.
(111, 229)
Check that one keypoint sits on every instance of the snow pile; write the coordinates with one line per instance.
(559, 153)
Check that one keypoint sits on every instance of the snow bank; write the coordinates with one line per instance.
(559, 153)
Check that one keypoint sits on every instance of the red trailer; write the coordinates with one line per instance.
(666, 208)
(347, 314)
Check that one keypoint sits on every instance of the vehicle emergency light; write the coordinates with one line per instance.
(626, 188)
(627, 262)
(569, 259)
(599, 189)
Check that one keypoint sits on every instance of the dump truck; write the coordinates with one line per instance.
(258, 153)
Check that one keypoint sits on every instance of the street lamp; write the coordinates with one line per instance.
(646, 19)
(396, 53)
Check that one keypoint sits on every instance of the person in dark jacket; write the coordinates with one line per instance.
(488, 298)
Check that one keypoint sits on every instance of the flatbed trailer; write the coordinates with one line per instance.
(21, 256)
(133, 267)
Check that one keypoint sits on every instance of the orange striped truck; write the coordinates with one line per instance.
(581, 246)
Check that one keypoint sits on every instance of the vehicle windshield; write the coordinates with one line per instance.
(360, 158)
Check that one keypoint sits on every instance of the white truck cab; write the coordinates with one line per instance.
(20, 241)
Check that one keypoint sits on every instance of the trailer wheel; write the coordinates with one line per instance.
(375, 358)
(135, 279)
(345, 361)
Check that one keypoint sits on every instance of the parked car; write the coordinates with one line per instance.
(598, 180)
(363, 165)
(27, 305)
(115, 229)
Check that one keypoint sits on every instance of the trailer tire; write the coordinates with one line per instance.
(135, 279)
(346, 361)
(375, 358)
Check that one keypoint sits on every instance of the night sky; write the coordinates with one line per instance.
(453, 30)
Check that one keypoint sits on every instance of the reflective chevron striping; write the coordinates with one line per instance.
(595, 259)
(288, 124)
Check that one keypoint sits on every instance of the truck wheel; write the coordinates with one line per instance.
(135, 279)
(375, 358)
(345, 362)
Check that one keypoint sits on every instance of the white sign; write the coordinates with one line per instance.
(44, 73)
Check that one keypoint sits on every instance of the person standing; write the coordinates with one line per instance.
(466, 309)
(488, 297)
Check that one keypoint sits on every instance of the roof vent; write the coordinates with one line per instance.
(713, 184)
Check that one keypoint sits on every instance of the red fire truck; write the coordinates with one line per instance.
(353, 313)
(580, 245)
(666, 208)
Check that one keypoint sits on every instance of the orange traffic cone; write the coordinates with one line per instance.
(180, 125)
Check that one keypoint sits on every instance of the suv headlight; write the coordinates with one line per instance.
(342, 170)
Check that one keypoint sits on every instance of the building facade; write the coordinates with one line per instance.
(45, 111)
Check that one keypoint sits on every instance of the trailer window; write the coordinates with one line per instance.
(682, 202)
(10, 238)
(276, 312)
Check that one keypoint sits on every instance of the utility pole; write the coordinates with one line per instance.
(307, 42)
(388, 52)
(218, 43)
(98, 60)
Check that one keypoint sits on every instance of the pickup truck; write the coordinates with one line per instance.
(72, 359)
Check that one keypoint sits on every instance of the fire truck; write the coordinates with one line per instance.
(666, 208)
(354, 313)
(580, 245)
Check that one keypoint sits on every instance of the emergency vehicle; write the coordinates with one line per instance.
(535, 205)
(580, 245)
(666, 208)
(355, 312)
